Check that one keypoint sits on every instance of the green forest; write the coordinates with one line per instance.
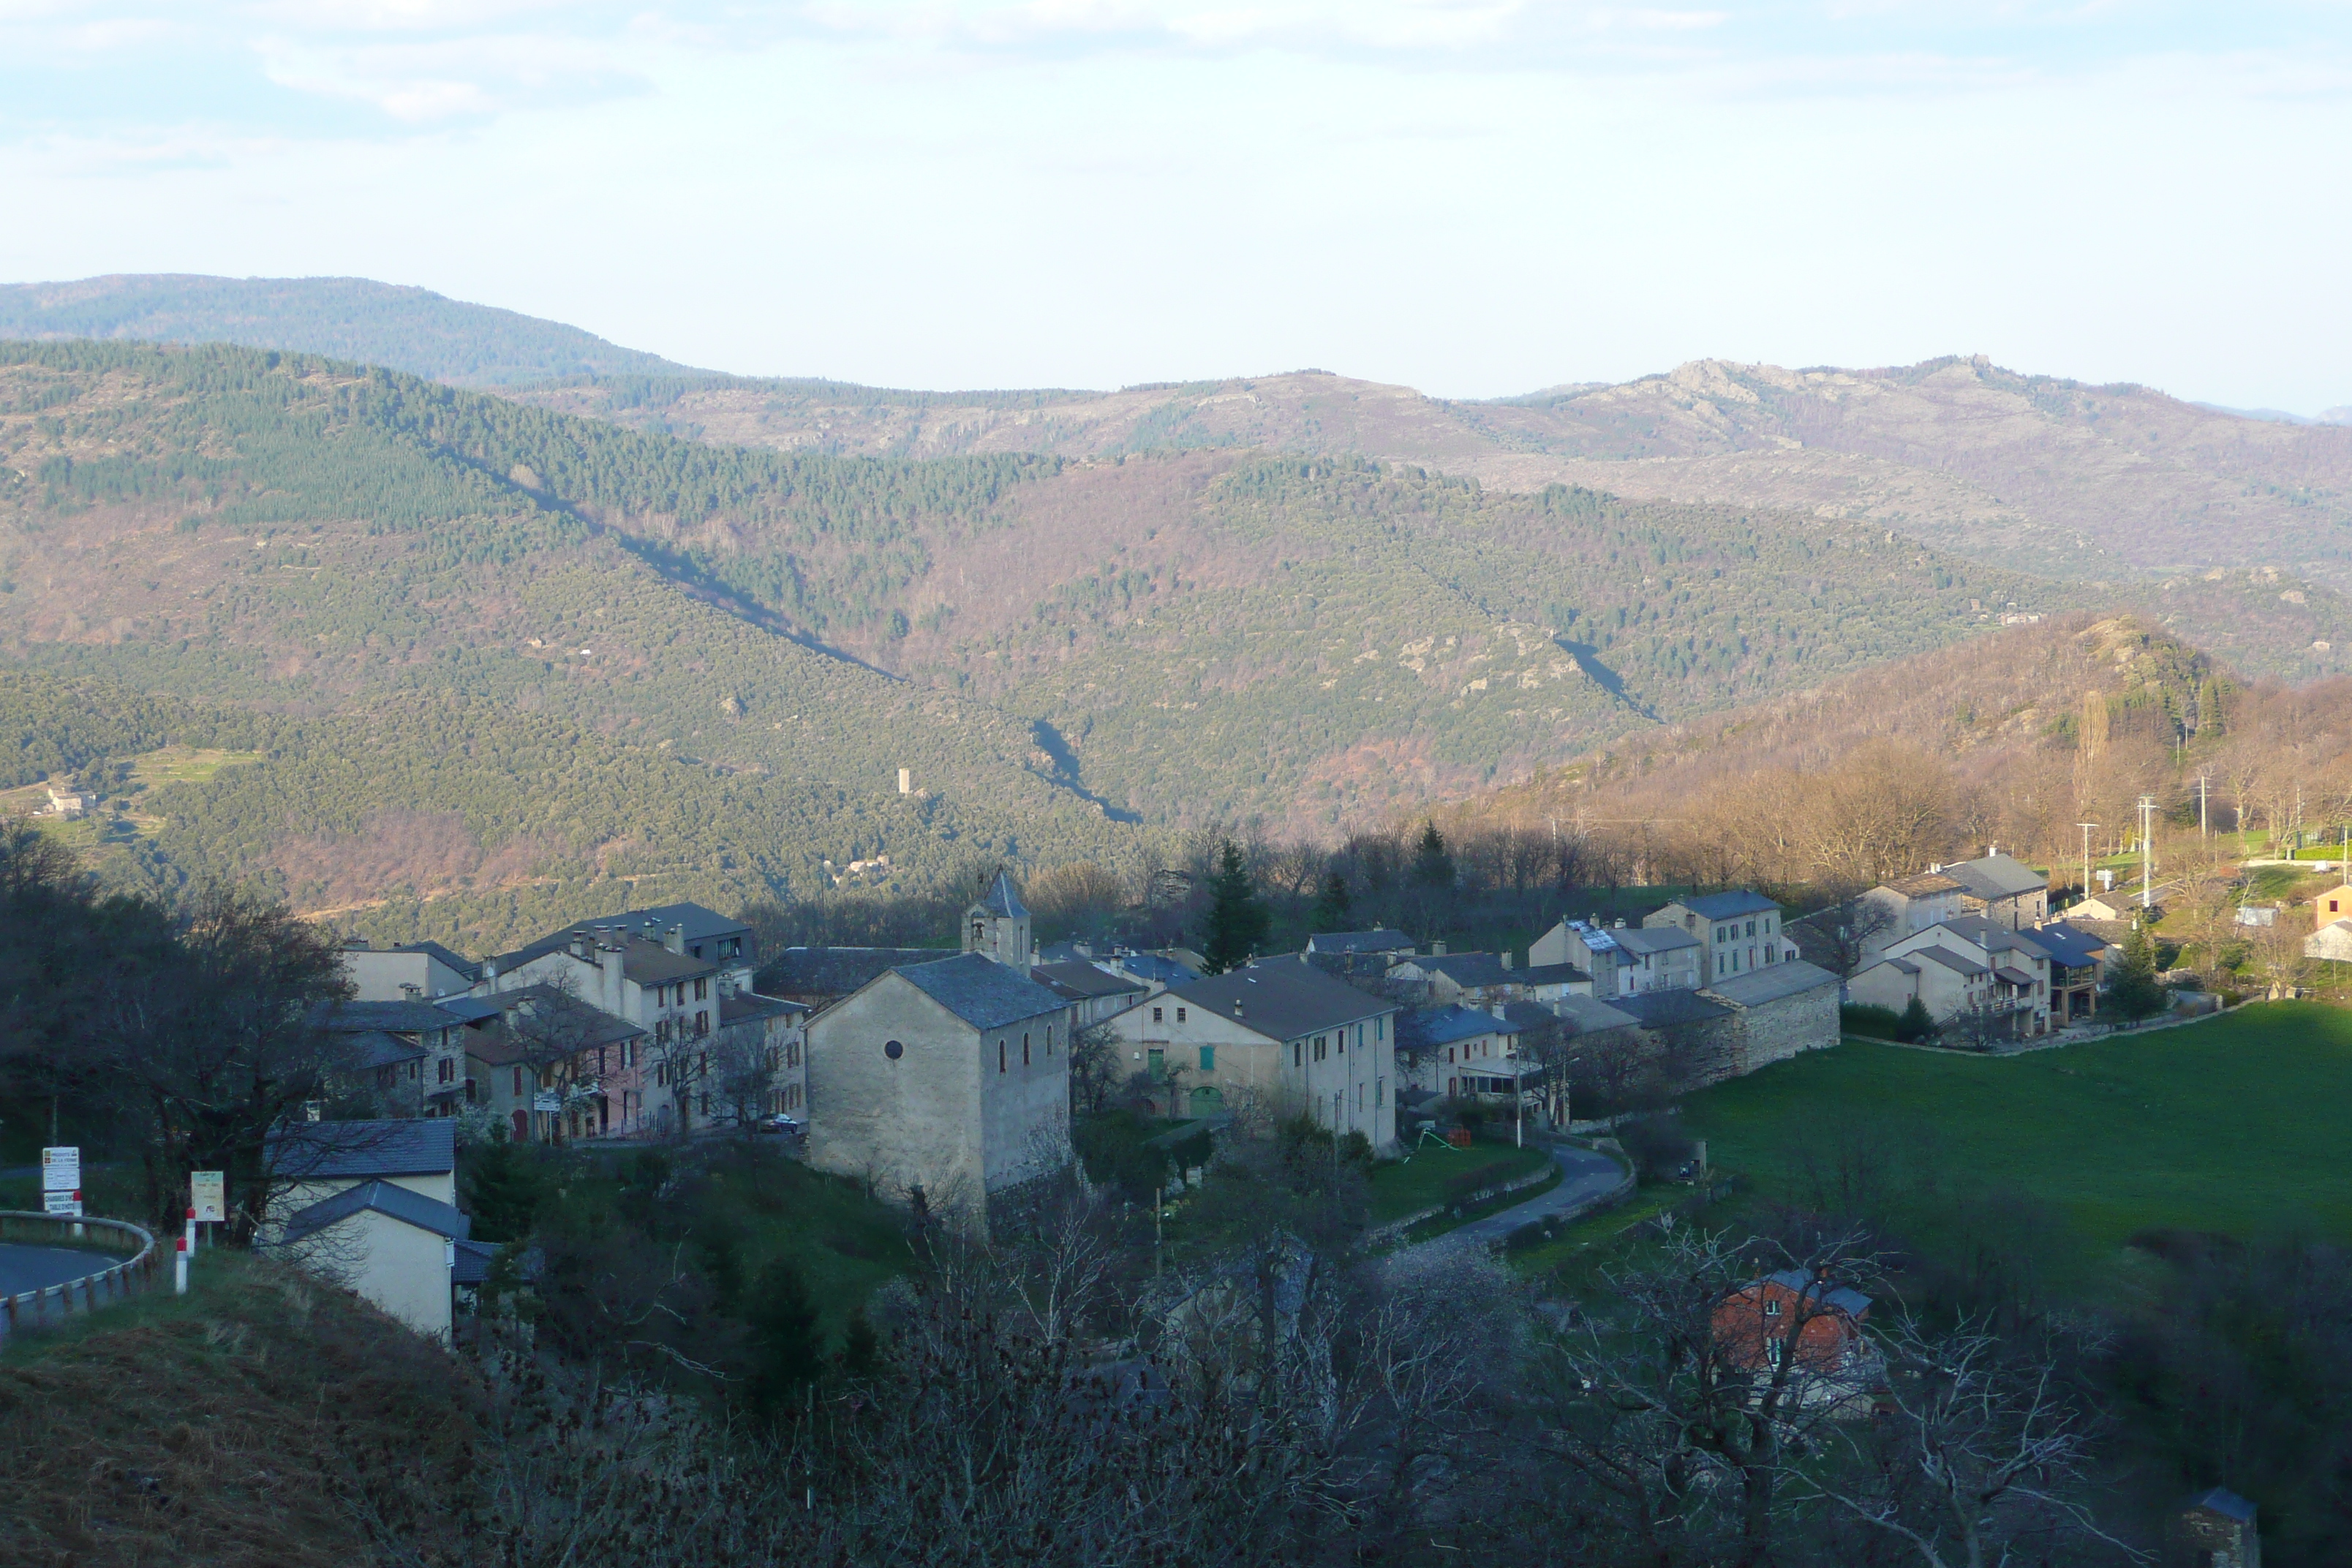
(420, 594)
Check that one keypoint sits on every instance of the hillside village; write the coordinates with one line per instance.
(947, 1080)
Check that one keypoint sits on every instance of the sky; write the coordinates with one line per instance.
(1474, 197)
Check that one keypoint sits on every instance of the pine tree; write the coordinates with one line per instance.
(861, 1348)
(1433, 863)
(787, 1352)
(502, 1190)
(1913, 1024)
(1238, 919)
(2133, 989)
(1333, 907)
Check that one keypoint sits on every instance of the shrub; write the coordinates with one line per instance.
(1915, 1024)
(1658, 1146)
(1870, 1020)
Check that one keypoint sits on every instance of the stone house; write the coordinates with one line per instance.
(1484, 979)
(1968, 967)
(1619, 959)
(1778, 1012)
(1736, 931)
(552, 1068)
(1464, 1053)
(1093, 993)
(420, 971)
(1268, 1042)
(405, 1057)
(1905, 907)
(949, 1081)
(372, 1206)
(2001, 890)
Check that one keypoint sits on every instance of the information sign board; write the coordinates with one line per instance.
(208, 1194)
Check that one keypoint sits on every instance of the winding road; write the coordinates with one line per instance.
(25, 1268)
(1585, 1178)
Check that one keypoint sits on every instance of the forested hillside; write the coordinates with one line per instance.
(2036, 473)
(412, 329)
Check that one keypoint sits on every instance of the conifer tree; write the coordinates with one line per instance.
(502, 1190)
(787, 1352)
(2133, 989)
(1238, 919)
(1333, 906)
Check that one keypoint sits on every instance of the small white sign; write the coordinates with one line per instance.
(62, 1203)
(61, 1169)
(208, 1194)
(547, 1099)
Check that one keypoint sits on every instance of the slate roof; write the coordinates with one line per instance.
(746, 1006)
(332, 1150)
(1156, 967)
(1665, 1009)
(569, 1021)
(981, 991)
(1284, 1001)
(409, 1209)
(1957, 963)
(1993, 937)
(397, 1017)
(470, 1262)
(1724, 906)
(468, 1009)
(1844, 1298)
(2014, 977)
(2228, 1504)
(1078, 981)
(1425, 1027)
(1589, 1015)
(1000, 900)
(699, 923)
(1996, 877)
(1923, 884)
(1772, 983)
(651, 963)
(829, 972)
(375, 1049)
(1466, 968)
(1639, 940)
(1376, 941)
(1551, 974)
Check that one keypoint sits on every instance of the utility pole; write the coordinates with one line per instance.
(2147, 850)
(2204, 823)
(2087, 828)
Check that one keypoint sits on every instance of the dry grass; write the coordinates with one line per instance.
(221, 1428)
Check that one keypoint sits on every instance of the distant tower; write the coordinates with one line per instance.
(998, 926)
(906, 781)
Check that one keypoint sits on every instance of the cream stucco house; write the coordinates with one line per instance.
(372, 1206)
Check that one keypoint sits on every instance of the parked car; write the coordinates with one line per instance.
(782, 1125)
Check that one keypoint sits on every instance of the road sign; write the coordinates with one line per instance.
(60, 1170)
(208, 1196)
(66, 1203)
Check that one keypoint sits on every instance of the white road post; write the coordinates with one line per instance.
(180, 1269)
(189, 1244)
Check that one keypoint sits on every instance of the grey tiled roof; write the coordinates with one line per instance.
(470, 1265)
(1589, 1015)
(981, 992)
(358, 1150)
(1843, 1298)
(1724, 906)
(1550, 975)
(1665, 1009)
(1466, 969)
(1282, 1001)
(1996, 877)
(410, 1208)
(1949, 959)
(1360, 941)
(400, 1018)
(1923, 884)
(1426, 1026)
(745, 1006)
(1000, 900)
(2070, 946)
(1771, 983)
(468, 1009)
(1639, 940)
(699, 925)
(1076, 980)
(375, 1049)
(826, 973)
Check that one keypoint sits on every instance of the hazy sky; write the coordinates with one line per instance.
(1473, 196)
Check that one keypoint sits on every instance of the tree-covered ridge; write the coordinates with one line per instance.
(466, 821)
(408, 329)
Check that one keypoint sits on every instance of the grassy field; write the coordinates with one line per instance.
(1407, 1186)
(2231, 1126)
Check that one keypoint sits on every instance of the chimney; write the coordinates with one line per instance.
(411, 992)
(580, 944)
(1237, 1007)
(1507, 958)
(609, 959)
(489, 969)
(1621, 923)
(1437, 949)
(675, 939)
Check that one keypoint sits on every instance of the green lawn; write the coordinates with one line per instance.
(2232, 1126)
(1407, 1186)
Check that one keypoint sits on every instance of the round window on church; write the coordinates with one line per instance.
(893, 1049)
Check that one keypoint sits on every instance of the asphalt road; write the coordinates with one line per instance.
(25, 1268)
(1585, 1177)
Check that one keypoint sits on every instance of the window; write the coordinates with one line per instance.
(411, 1072)
(1771, 1308)
(1379, 1024)
(1208, 1058)
(1751, 927)
(1318, 1048)
(1298, 1053)
(1379, 1092)
(1024, 1048)
(518, 1080)
(1180, 1015)
(447, 1070)
(1156, 1016)
(999, 1055)
(702, 990)
(702, 1023)
(1158, 1065)
(1049, 1039)
(600, 1061)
